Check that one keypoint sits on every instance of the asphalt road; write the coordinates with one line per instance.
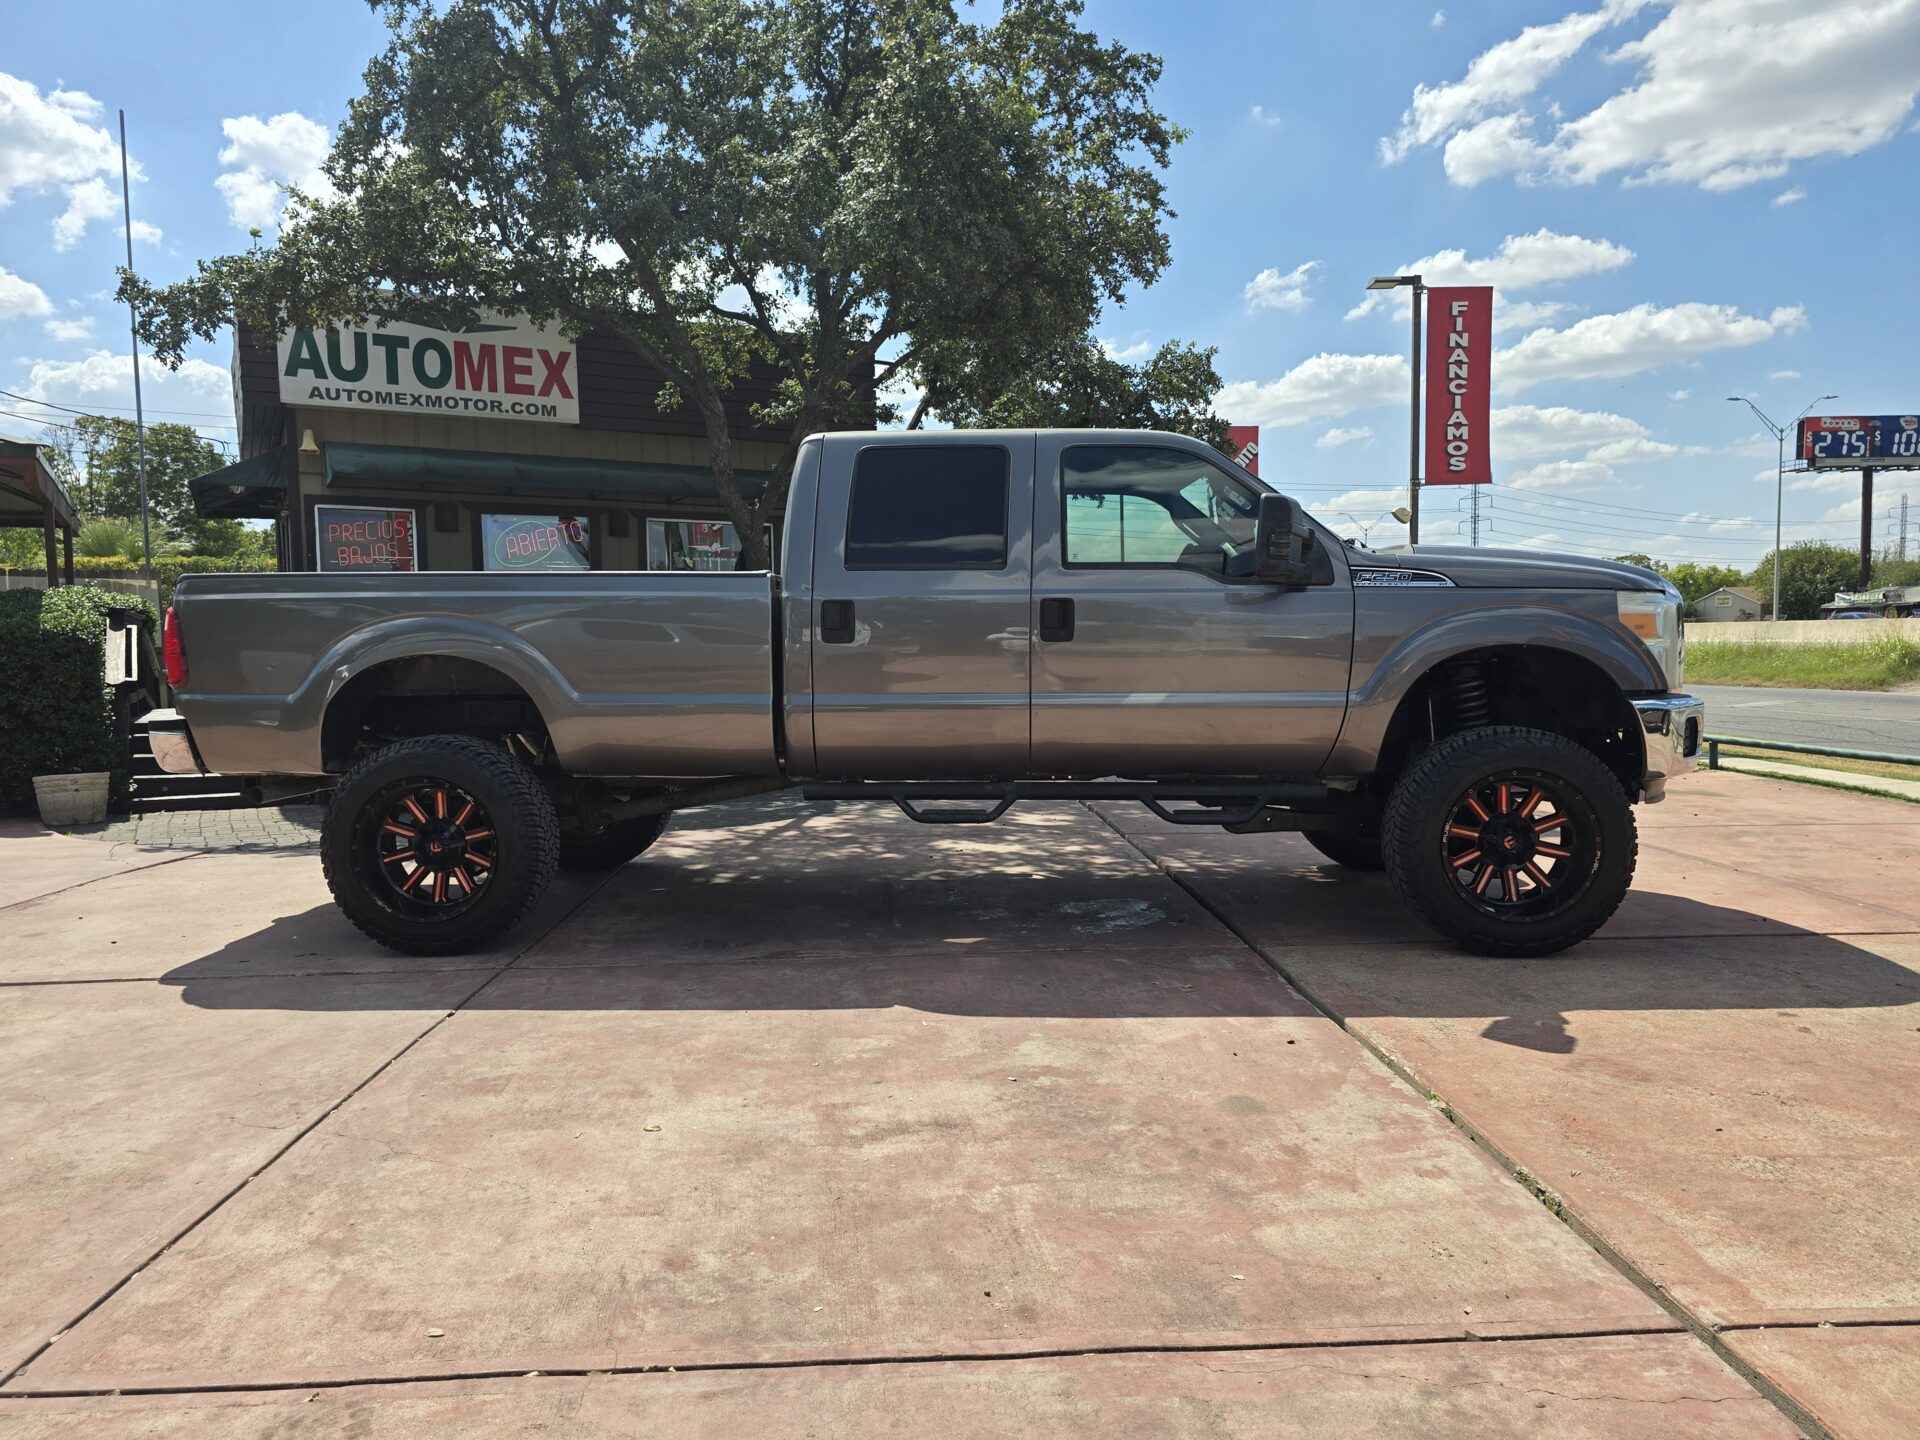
(1850, 719)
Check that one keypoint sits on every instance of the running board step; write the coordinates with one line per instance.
(1235, 802)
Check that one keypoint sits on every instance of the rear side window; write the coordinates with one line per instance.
(928, 507)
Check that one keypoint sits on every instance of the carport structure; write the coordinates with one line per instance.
(30, 494)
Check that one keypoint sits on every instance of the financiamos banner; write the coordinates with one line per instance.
(1459, 384)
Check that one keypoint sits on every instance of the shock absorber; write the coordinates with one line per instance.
(1467, 697)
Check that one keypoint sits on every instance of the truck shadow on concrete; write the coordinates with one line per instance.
(892, 921)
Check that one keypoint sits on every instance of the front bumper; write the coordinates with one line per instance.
(1672, 727)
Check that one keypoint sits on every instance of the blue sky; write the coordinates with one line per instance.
(1677, 202)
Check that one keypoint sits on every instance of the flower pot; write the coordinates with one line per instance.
(72, 799)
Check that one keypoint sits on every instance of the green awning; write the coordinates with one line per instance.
(253, 489)
(401, 467)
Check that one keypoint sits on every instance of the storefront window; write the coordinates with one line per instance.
(536, 542)
(692, 545)
(358, 538)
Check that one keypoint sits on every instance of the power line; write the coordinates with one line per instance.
(72, 410)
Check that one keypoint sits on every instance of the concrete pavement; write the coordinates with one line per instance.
(1847, 719)
(1078, 1123)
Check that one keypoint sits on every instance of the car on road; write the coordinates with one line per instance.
(960, 622)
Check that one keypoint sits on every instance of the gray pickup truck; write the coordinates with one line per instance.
(963, 621)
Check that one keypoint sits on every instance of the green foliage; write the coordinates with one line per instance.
(99, 539)
(1079, 385)
(56, 715)
(1810, 574)
(1694, 579)
(811, 181)
(22, 548)
(1645, 562)
(101, 457)
(1896, 572)
(1877, 664)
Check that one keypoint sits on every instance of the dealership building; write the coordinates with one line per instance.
(502, 447)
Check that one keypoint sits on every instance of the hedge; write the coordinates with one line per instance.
(167, 569)
(56, 714)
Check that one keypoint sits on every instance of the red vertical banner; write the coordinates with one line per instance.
(1244, 442)
(1459, 384)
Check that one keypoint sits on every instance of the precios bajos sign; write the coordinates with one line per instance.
(503, 368)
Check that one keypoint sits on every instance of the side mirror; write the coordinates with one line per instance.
(1283, 543)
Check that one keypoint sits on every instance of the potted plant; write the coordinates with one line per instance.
(72, 799)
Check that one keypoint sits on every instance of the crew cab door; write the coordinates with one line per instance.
(922, 556)
(1150, 660)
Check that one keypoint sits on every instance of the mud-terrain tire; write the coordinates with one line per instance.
(1477, 817)
(438, 845)
(1357, 850)
(613, 846)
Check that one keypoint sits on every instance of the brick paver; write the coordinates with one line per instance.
(269, 827)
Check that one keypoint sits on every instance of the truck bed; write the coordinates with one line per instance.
(635, 672)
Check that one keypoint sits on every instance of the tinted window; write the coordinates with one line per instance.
(919, 507)
(1139, 505)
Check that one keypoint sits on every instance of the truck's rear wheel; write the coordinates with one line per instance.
(1511, 841)
(437, 845)
(615, 845)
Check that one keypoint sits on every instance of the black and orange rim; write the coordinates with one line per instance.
(1519, 844)
(431, 847)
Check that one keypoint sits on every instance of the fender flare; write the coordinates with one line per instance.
(1370, 710)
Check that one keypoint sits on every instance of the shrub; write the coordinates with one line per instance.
(106, 539)
(56, 715)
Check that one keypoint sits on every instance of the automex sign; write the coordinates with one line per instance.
(504, 367)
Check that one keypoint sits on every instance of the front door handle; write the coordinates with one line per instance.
(836, 622)
(1056, 619)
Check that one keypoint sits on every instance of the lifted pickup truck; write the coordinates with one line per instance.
(963, 621)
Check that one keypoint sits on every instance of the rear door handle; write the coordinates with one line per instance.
(1056, 619)
(836, 622)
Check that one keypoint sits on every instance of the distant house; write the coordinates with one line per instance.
(1730, 602)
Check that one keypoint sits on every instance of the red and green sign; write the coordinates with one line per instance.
(352, 539)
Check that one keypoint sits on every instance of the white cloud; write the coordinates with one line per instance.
(1260, 115)
(1815, 481)
(20, 297)
(1324, 387)
(1722, 94)
(1523, 262)
(1336, 437)
(105, 379)
(70, 330)
(1439, 21)
(1677, 396)
(45, 140)
(1510, 71)
(1130, 352)
(1274, 289)
(1632, 341)
(1526, 314)
(1784, 375)
(1536, 432)
(1565, 475)
(1849, 510)
(262, 157)
(1789, 197)
(87, 202)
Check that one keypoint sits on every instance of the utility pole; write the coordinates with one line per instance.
(133, 330)
(1903, 527)
(1779, 433)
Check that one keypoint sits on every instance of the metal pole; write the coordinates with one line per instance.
(133, 330)
(1779, 505)
(1866, 528)
(1413, 451)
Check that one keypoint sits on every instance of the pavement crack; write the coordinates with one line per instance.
(493, 974)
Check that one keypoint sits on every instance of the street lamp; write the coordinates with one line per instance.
(1779, 433)
(1412, 282)
(1399, 513)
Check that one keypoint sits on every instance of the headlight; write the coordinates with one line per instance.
(1654, 615)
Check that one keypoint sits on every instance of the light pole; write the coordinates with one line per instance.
(1779, 433)
(1412, 282)
(1399, 513)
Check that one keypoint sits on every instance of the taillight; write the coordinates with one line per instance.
(173, 651)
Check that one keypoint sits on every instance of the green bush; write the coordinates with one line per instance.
(56, 714)
(166, 568)
(106, 539)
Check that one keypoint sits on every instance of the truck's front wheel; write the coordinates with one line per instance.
(1511, 841)
(437, 845)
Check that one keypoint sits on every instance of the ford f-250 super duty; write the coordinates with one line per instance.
(960, 622)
